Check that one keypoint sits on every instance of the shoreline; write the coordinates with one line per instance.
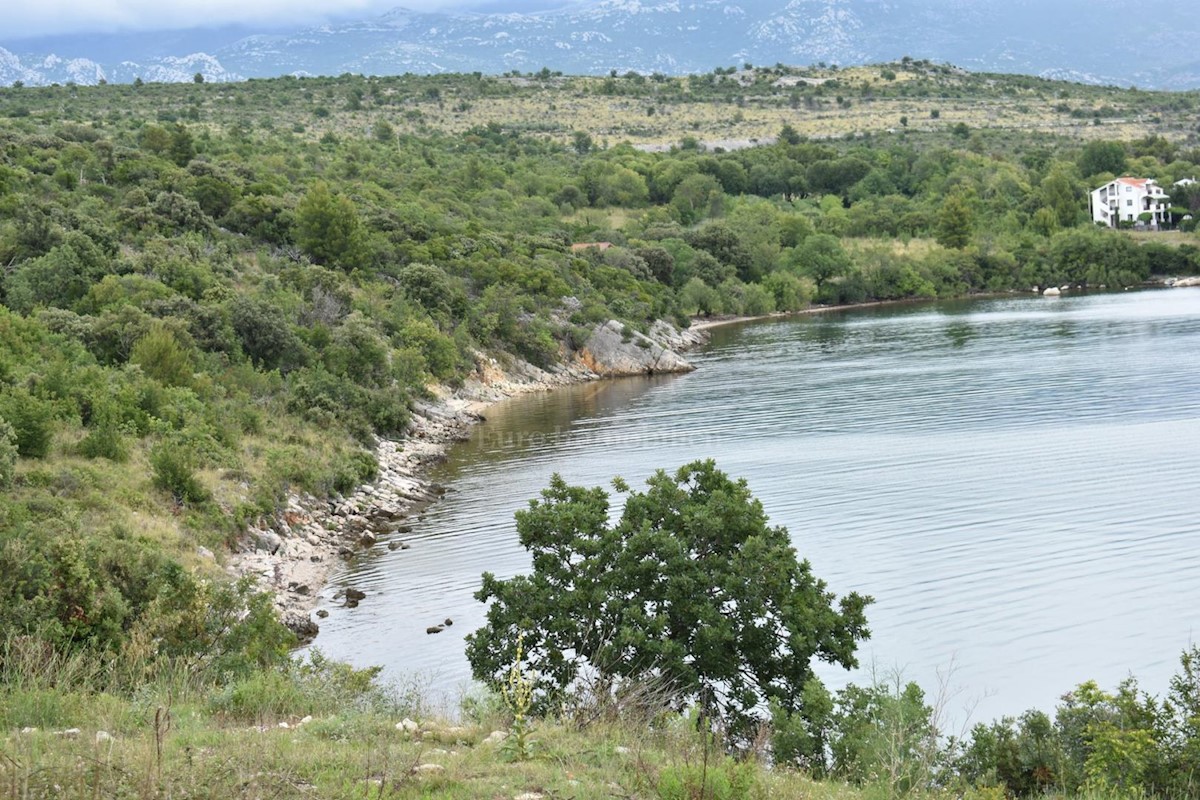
(708, 323)
(294, 554)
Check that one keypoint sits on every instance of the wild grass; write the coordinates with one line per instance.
(72, 727)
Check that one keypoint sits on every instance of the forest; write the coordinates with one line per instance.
(212, 295)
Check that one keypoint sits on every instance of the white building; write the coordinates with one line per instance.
(1125, 199)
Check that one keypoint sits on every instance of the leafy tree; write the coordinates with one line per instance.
(821, 258)
(1102, 156)
(329, 230)
(60, 278)
(955, 221)
(383, 132)
(581, 141)
(691, 588)
(265, 333)
(1062, 194)
(695, 197)
(723, 243)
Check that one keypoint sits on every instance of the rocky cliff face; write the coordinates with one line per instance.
(615, 350)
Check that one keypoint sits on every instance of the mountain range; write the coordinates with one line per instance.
(1151, 45)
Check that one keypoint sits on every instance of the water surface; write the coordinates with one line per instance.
(1013, 480)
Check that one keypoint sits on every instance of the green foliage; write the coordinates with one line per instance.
(1102, 157)
(723, 779)
(307, 686)
(162, 357)
(31, 420)
(329, 230)
(955, 222)
(173, 465)
(8, 453)
(610, 599)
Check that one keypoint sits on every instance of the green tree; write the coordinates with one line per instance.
(821, 258)
(691, 588)
(1061, 193)
(582, 142)
(329, 230)
(162, 357)
(955, 221)
(383, 131)
(1101, 156)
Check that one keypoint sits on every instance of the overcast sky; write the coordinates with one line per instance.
(22, 18)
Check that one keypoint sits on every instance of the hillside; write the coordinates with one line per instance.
(727, 108)
(223, 300)
(1108, 43)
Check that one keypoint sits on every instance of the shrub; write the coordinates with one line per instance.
(31, 419)
(162, 357)
(8, 453)
(173, 467)
(105, 439)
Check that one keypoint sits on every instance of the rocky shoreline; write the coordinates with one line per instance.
(293, 554)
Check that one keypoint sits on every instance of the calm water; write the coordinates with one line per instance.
(1015, 481)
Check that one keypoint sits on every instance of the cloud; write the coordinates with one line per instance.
(48, 17)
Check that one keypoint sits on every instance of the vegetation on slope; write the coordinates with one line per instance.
(213, 295)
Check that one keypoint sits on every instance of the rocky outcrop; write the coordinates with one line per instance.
(293, 553)
(615, 349)
(1183, 283)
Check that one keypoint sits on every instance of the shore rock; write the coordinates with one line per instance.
(1183, 283)
(614, 350)
(1053, 291)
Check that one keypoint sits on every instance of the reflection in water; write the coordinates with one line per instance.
(959, 333)
(1012, 497)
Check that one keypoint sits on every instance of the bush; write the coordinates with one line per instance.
(105, 438)
(724, 779)
(8, 453)
(312, 685)
(31, 419)
(173, 467)
(162, 357)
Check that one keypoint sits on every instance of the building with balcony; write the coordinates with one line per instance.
(1126, 199)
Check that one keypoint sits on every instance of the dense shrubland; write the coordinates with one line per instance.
(212, 295)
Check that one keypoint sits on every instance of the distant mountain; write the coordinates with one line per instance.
(1152, 45)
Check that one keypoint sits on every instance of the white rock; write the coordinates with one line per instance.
(620, 750)
(28, 731)
(527, 796)
(495, 737)
(69, 733)
(1053, 291)
(103, 736)
(407, 725)
(205, 553)
(306, 720)
(284, 725)
(428, 769)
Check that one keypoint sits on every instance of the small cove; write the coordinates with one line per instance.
(1012, 479)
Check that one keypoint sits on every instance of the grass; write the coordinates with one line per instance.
(158, 745)
(75, 726)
